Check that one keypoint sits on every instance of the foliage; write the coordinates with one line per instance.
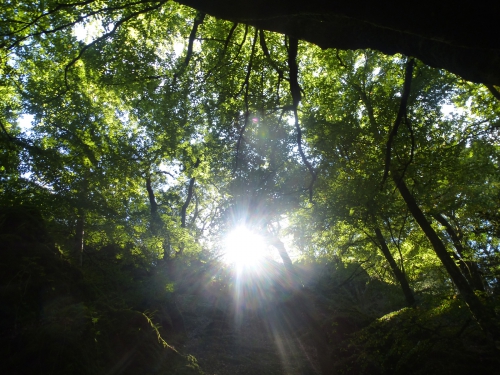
(161, 129)
(440, 339)
(56, 319)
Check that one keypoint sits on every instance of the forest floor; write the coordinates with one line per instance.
(229, 339)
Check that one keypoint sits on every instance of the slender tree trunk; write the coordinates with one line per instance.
(156, 223)
(400, 276)
(485, 317)
(80, 219)
(185, 206)
(189, 195)
(287, 261)
(80, 236)
(153, 207)
(468, 268)
(178, 326)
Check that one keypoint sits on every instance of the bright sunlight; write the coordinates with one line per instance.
(244, 247)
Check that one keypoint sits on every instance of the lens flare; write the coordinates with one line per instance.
(244, 248)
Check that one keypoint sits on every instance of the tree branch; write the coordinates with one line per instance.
(200, 17)
(224, 50)
(400, 276)
(19, 141)
(494, 91)
(246, 86)
(468, 268)
(265, 50)
(296, 98)
(240, 46)
(399, 117)
(105, 36)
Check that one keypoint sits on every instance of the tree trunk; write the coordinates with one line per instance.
(186, 205)
(287, 261)
(400, 276)
(178, 326)
(156, 223)
(468, 268)
(80, 219)
(485, 317)
(80, 236)
(441, 34)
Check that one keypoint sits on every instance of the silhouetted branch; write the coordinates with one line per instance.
(265, 50)
(399, 117)
(240, 46)
(296, 97)
(11, 138)
(468, 268)
(494, 91)
(246, 86)
(224, 50)
(19, 141)
(200, 17)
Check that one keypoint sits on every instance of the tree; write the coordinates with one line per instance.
(142, 153)
(399, 158)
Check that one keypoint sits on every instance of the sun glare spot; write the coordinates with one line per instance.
(244, 247)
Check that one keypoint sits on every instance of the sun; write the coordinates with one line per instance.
(243, 247)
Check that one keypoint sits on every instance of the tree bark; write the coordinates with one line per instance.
(485, 316)
(441, 34)
(400, 276)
